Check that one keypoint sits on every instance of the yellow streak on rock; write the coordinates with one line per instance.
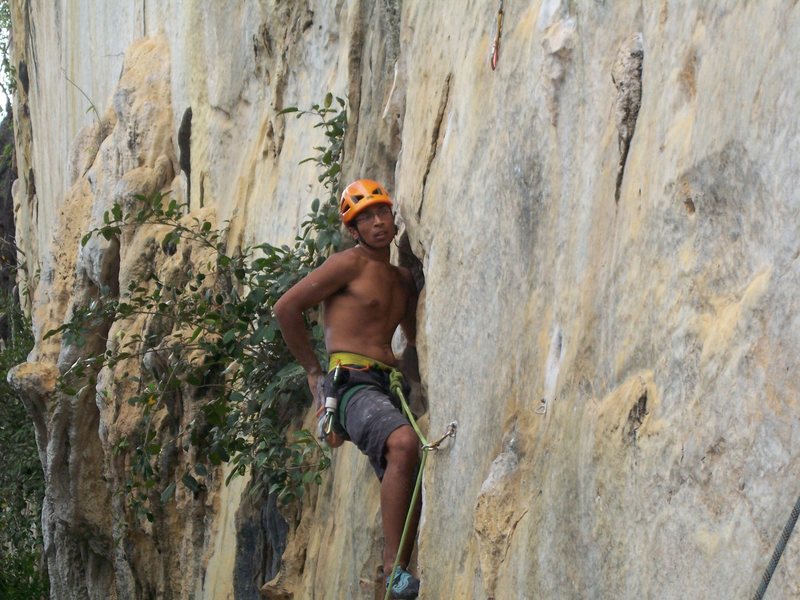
(717, 329)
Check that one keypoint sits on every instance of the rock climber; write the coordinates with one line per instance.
(364, 298)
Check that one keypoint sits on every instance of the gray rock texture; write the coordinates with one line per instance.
(608, 227)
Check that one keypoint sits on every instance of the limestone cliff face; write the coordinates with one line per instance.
(609, 230)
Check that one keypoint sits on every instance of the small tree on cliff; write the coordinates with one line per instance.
(217, 344)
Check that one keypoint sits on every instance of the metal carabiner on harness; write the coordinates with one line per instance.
(327, 432)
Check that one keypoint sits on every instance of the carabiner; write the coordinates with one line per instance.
(450, 433)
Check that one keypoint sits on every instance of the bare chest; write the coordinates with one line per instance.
(378, 293)
(380, 287)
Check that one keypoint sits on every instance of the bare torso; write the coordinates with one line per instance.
(364, 299)
(362, 316)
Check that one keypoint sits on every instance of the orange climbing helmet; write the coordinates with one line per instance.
(359, 195)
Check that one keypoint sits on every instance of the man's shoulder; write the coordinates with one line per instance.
(345, 264)
(345, 258)
(355, 264)
(406, 276)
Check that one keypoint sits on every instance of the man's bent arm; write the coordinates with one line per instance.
(295, 334)
(409, 362)
(321, 283)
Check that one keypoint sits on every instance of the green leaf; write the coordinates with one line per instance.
(109, 232)
(168, 492)
(190, 482)
(258, 335)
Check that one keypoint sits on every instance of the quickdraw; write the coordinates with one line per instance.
(450, 432)
(494, 54)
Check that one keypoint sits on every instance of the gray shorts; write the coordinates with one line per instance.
(370, 417)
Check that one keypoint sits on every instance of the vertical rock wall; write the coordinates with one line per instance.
(608, 231)
(627, 405)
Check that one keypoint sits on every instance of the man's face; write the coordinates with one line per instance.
(375, 225)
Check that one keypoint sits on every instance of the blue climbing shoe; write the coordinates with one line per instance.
(405, 585)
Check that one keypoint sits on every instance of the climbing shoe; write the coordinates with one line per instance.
(405, 585)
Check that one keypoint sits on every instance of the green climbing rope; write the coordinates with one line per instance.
(396, 387)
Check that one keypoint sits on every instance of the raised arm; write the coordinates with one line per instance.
(409, 362)
(409, 321)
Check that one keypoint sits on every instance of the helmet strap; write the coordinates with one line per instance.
(360, 241)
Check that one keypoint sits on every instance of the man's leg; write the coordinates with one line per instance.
(397, 487)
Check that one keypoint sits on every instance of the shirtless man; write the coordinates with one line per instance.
(364, 299)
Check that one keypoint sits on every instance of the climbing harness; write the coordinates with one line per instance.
(396, 387)
(779, 548)
(494, 54)
(355, 362)
(343, 367)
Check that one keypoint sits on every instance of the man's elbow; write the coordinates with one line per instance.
(283, 311)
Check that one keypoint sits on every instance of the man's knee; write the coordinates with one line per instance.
(403, 444)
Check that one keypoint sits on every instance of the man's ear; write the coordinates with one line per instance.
(353, 232)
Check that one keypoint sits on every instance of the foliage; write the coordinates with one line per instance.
(21, 578)
(21, 479)
(92, 106)
(213, 338)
